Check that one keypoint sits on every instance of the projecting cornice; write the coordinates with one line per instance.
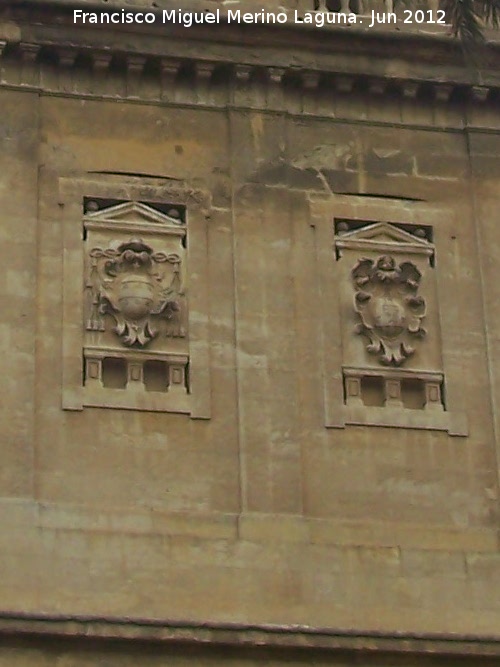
(291, 68)
(245, 636)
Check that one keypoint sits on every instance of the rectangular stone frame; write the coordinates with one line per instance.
(197, 202)
(323, 212)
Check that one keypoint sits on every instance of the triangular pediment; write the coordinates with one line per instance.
(384, 232)
(132, 213)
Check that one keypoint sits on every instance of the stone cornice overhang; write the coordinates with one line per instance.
(345, 59)
(92, 629)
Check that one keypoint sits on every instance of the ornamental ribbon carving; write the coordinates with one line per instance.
(138, 288)
(389, 307)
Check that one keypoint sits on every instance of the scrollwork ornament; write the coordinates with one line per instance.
(132, 284)
(389, 307)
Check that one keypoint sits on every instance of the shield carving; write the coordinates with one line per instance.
(131, 283)
(389, 307)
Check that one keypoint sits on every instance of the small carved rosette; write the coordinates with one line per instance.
(139, 288)
(389, 307)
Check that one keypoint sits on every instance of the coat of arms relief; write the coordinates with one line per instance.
(139, 288)
(389, 307)
(391, 277)
(134, 281)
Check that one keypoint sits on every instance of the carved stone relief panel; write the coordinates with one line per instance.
(131, 283)
(389, 309)
(135, 301)
(390, 316)
(137, 349)
(383, 339)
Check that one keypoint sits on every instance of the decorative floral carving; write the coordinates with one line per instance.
(138, 288)
(389, 307)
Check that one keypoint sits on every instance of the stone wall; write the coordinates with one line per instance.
(270, 503)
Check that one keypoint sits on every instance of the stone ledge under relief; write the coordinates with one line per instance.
(454, 423)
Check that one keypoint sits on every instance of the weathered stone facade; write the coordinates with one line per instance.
(249, 333)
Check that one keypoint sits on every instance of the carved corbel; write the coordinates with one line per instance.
(204, 72)
(67, 57)
(101, 62)
(29, 54)
(169, 70)
(135, 68)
